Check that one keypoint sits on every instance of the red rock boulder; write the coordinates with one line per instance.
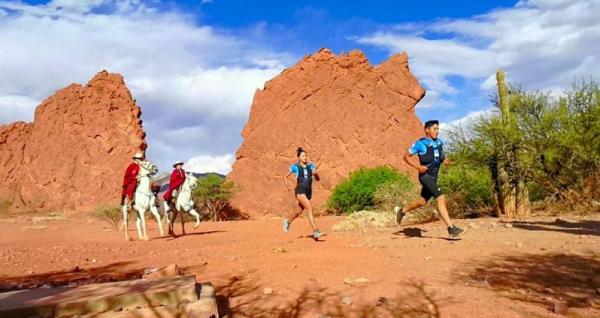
(344, 111)
(74, 154)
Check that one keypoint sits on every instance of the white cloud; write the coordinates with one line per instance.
(222, 91)
(464, 123)
(540, 43)
(467, 120)
(79, 6)
(202, 164)
(434, 98)
(183, 75)
(16, 108)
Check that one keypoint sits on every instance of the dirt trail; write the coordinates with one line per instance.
(518, 270)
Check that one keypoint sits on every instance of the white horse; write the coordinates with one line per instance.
(183, 203)
(143, 201)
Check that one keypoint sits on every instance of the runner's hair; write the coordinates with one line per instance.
(431, 123)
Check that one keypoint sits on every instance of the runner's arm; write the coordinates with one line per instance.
(316, 173)
(421, 169)
(285, 180)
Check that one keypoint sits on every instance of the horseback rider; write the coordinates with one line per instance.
(175, 183)
(130, 180)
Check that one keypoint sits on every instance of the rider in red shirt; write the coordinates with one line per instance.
(130, 179)
(177, 179)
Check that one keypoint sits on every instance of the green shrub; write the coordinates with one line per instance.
(397, 193)
(357, 192)
(468, 189)
(214, 193)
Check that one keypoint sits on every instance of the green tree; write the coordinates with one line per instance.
(552, 145)
(214, 193)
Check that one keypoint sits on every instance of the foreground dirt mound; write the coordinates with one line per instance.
(73, 155)
(345, 112)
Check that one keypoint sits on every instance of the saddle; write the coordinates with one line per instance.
(155, 188)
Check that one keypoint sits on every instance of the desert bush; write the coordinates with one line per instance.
(213, 193)
(356, 193)
(109, 213)
(364, 221)
(397, 193)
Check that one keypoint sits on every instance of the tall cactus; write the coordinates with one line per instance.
(512, 193)
(503, 97)
(505, 195)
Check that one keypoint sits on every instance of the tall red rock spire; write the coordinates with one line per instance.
(74, 153)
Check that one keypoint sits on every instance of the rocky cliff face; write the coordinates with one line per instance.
(74, 153)
(344, 111)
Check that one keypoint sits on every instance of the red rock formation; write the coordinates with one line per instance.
(74, 153)
(345, 112)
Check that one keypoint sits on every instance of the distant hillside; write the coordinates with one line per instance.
(163, 178)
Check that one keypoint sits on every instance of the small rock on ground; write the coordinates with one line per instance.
(268, 291)
(347, 300)
(559, 307)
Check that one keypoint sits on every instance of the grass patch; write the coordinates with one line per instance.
(51, 216)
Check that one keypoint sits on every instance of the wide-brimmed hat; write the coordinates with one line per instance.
(138, 155)
(177, 163)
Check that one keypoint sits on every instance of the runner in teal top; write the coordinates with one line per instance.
(304, 171)
(430, 150)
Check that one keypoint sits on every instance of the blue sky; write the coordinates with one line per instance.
(194, 65)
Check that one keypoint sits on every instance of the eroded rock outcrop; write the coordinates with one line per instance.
(73, 155)
(345, 112)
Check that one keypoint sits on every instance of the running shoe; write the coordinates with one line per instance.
(455, 231)
(316, 235)
(286, 225)
(399, 214)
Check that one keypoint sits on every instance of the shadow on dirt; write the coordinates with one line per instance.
(583, 227)
(542, 279)
(170, 238)
(243, 296)
(412, 232)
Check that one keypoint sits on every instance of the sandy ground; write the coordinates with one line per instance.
(524, 269)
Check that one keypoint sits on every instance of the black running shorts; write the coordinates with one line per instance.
(430, 187)
(304, 190)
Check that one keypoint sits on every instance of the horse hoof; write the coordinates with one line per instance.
(197, 225)
(146, 239)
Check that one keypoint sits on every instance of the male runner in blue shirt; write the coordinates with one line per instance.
(431, 156)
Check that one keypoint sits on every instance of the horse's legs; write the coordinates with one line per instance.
(144, 227)
(197, 216)
(138, 225)
(154, 212)
(125, 219)
(182, 217)
(167, 208)
(172, 221)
